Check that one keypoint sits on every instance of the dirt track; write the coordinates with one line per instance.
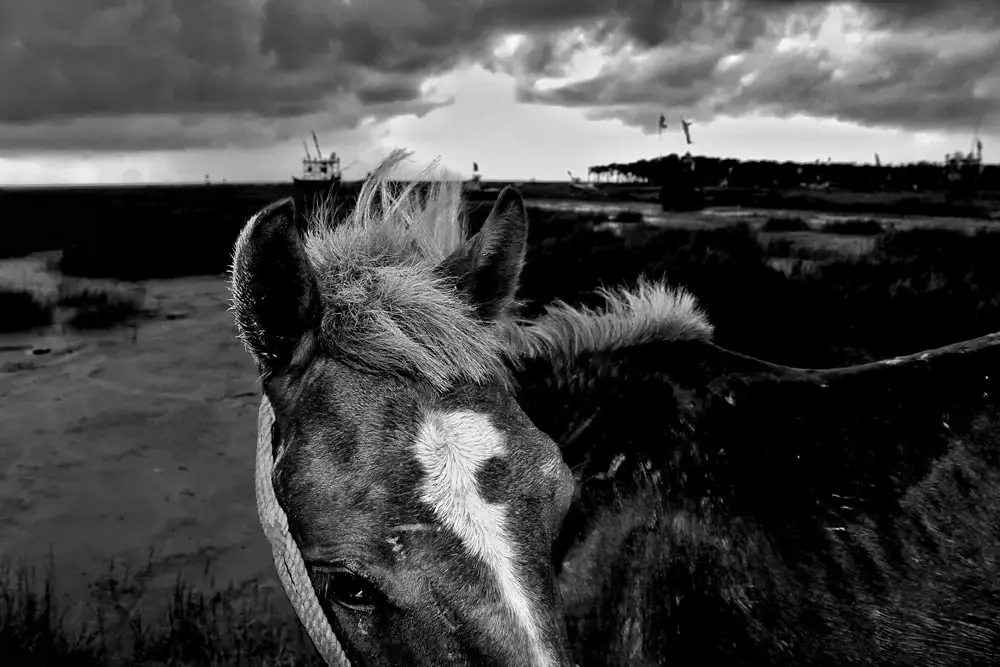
(110, 448)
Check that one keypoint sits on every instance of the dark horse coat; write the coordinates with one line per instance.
(732, 511)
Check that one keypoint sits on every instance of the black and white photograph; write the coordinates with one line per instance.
(499, 333)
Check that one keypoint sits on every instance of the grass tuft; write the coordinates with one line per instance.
(100, 308)
(234, 626)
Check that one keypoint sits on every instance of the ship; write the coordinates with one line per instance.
(318, 171)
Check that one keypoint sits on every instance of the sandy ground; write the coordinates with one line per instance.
(115, 448)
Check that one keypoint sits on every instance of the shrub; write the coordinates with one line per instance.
(21, 310)
(835, 309)
(100, 308)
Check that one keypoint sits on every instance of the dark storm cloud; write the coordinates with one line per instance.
(149, 74)
(934, 66)
(154, 74)
(934, 13)
(922, 85)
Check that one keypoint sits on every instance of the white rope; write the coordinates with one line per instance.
(287, 559)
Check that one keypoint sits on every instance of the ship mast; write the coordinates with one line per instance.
(319, 153)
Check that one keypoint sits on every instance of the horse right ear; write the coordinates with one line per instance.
(275, 296)
(487, 268)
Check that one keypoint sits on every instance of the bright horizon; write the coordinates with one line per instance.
(526, 97)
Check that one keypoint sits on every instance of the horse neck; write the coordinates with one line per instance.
(565, 395)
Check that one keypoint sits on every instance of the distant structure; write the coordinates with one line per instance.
(319, 170)
(615, 173)
(577, 183)
(475, 183)
(963, 172)
(959, 165)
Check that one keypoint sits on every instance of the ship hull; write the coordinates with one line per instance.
(309, 186)
(315, 182)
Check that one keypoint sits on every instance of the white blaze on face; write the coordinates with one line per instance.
(452, 448)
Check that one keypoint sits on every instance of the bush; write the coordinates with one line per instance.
(815, 307)
(21, 310)
(100, 308)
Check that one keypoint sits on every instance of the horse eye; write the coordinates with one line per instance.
(349, 589)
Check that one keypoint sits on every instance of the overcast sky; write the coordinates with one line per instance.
(172, 90)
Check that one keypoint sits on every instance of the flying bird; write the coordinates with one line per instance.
(686, 124)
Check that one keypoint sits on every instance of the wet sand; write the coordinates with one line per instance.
(135, 450)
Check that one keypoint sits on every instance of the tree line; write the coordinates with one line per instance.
(956, 170)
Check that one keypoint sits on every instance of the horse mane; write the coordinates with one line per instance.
(651, 311)
(387, 310)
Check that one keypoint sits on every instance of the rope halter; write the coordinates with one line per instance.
(287, 559)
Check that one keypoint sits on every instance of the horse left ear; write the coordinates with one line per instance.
(275, 294)
(486, 269)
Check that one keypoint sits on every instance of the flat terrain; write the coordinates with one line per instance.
(135, 450)
(48, 218)
(135, 445)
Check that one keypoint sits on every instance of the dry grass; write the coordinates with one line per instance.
(229, 627)
(89, 307)
(100, 308)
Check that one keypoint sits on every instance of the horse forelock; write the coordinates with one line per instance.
(385, 308)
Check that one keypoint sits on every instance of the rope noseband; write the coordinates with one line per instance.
(287, 559)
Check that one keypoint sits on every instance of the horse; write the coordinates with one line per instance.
(458, 486)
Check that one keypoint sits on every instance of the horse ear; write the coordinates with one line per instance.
(275, 296)
(487, 267)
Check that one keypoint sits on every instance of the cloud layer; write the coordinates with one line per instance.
(919, 66)
(120, 75)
